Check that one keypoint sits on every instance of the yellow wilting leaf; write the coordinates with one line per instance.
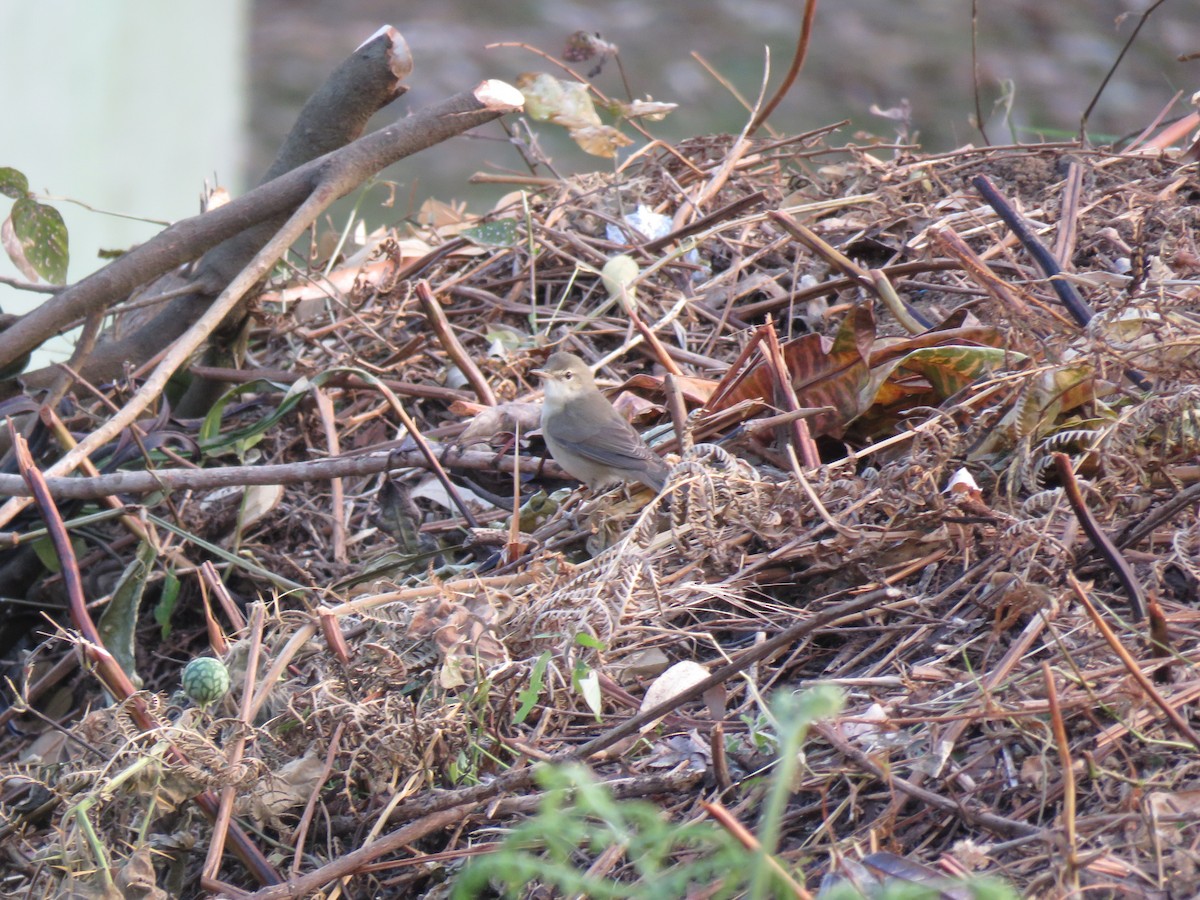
(568, 103)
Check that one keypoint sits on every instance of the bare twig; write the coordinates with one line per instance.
(1177, 721)
(1063, 745)
(436, 317)
(1087, 113)
(798, 57)
(1100, 540)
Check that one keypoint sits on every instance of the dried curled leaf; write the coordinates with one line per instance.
(568, 103)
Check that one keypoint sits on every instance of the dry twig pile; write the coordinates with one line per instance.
(846, 332)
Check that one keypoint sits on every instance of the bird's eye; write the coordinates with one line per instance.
(568, 375)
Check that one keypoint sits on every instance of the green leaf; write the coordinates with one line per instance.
(211, 438)
(951, 368)
(529, 696)
(13, 183)
(587, 640)
(42, 236)
(118, 624)
(500, 233)
(43, 547)
(167, 602)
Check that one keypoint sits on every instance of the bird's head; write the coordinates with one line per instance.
(564, 377)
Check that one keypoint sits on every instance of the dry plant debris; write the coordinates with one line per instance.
(858, 308)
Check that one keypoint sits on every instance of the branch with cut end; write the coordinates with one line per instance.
(336, 114)
(340, 171)
(333, 176)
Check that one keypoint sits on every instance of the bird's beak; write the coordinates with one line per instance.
(540, 373)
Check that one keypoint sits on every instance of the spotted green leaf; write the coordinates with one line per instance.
(500, 233)
(13, 183)
(41, 235)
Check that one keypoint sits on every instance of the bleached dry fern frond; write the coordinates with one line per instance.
(177, 756)
(594, 599)
(713, 498)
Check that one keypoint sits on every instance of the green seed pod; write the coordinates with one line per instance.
(205, 680)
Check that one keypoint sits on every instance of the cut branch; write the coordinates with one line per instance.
(256, 214)
(333, 176)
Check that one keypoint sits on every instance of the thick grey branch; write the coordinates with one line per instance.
(337, 174)
(144, 482)
(336, 114)
(184, 240)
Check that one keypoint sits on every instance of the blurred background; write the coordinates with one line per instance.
(129, 105)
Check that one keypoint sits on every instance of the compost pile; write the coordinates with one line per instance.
(910, 459)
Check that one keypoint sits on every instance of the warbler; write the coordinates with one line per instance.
(585, 433)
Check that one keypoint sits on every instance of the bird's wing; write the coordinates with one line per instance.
(613, 447)
(613, 442)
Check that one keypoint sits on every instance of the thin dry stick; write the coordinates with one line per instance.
(1087, 113)
(975, 70)
(874, 280)
(131, 523)
(989, 682)
(952, 244)
(431, 459)
(212, 863)
(990, 821)
(1099, 538)
(79, 355)
(806, 29)
(1173, 716)
(210, 577)
(513, 551)
(1064, 759)
(733, 373)
(335, 379)
(802, 437)
(310, 808)
(436, 316)
(350, 863)
(744, 836)
(678, 410)
(647, 333)
(337, 496)
(1068, 221)
(145, 482)
(724, 82)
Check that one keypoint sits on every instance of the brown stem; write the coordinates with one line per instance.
(146, 482)
(436, 316)
(810, 13)
(1100, 540)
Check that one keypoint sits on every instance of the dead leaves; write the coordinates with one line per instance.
(860, 376)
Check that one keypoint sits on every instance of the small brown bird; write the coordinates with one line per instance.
(587, 436)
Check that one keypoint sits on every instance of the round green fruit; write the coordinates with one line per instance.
(205, 680)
